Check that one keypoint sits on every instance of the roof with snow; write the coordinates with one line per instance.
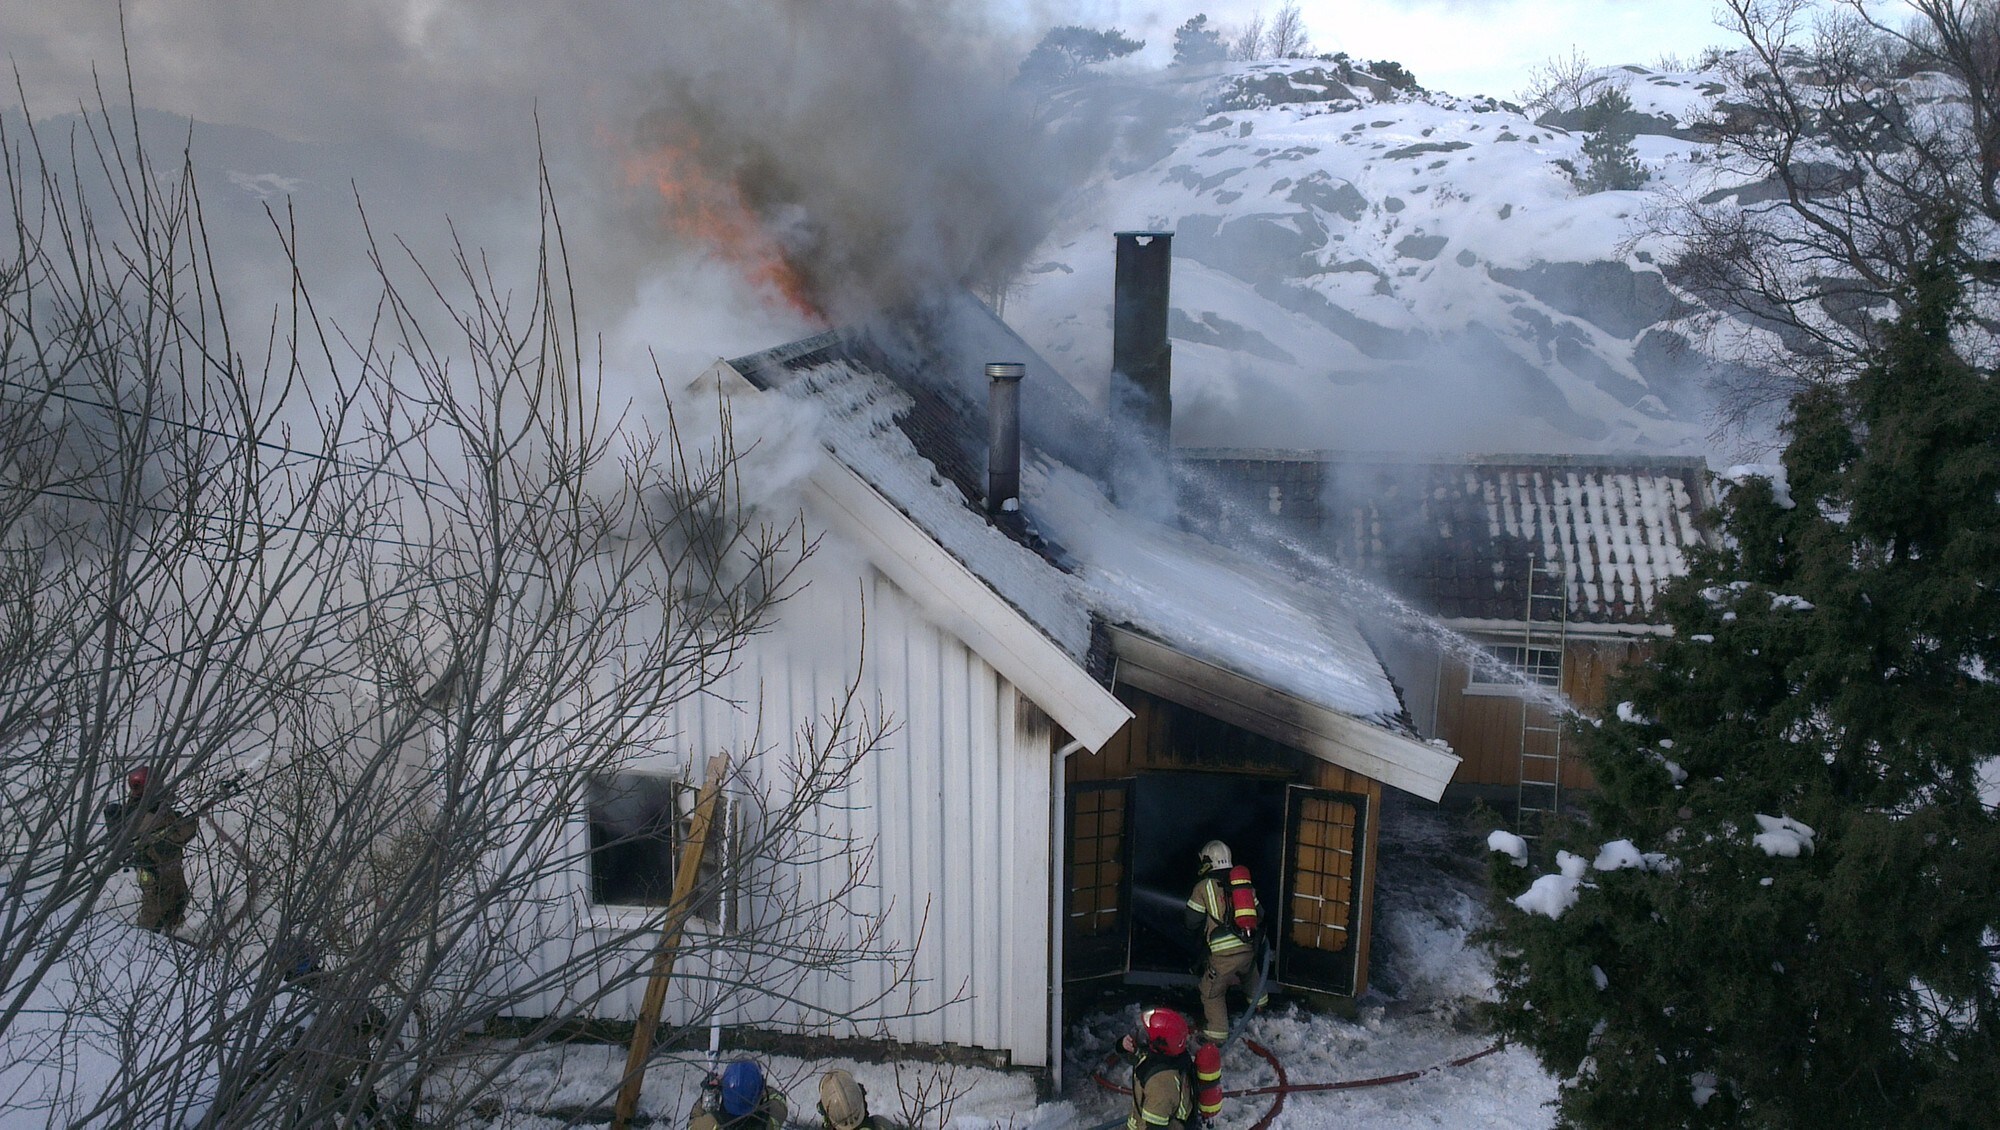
(1460, 536)
(905, 409)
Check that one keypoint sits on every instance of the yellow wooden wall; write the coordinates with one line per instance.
(1485, 729)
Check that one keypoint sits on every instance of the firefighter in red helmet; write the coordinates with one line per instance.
(1174, 1086)
(160, 835)
(1224, 908)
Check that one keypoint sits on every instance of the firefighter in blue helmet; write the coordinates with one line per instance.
(737, 1099)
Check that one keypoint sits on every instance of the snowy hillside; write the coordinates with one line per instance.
(1363, 267)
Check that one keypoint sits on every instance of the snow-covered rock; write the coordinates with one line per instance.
(1358, 266)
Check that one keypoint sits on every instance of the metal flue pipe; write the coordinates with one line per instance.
(1003, 435)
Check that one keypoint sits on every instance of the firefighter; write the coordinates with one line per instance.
(738, 1100)
(1225, 910)
(843, 1104)
(160, 835)
(323, 1032)
(1172, 1089)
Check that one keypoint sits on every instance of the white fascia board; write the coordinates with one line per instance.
(1574, 629)
(723, 378)
(1413, 766)
(952, 595)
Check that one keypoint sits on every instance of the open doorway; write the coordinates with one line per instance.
(1174, 814)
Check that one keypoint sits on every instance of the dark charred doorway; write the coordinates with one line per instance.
(1173, 814)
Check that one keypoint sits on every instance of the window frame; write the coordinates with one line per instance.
(707, 912)
(1478, 683)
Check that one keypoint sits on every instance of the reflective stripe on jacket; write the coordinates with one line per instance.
(1211, 900)
(1160, 1098)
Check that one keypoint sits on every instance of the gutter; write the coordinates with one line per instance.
(1058, 868)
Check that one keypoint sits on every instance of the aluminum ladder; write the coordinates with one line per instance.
(1545, 628)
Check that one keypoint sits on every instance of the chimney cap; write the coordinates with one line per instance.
(1006, 370)
(1145, 233)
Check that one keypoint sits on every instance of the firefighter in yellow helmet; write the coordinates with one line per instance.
(1224, 908)
(843, 1104)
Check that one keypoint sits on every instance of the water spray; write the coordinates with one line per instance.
(1388, 608)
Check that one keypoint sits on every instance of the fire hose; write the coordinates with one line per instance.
(1285, 1086)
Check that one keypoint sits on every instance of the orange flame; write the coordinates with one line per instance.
(699, 207)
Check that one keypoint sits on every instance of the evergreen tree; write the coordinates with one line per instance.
(1612, 162)
(1196, 43)
(1829, 690)
(1066, 54)
(1395, 74)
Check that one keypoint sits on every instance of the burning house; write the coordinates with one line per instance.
(1083, 692)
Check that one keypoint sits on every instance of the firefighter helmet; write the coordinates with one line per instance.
(1166, 1030)
(842, 1101)
(1215, 856)
(139, 778)
(742, 1086)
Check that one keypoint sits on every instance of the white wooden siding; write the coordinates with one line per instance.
(956, 805)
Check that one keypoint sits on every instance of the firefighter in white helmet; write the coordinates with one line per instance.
(1224, 908)
(843, 1104)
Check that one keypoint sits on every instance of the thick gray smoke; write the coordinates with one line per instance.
(878, 145)
(844, 154)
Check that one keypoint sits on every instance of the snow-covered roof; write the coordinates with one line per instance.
(1458, 536)
(905, 409)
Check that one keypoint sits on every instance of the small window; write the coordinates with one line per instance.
(632, 819)
(1539, 666)
(639, 823)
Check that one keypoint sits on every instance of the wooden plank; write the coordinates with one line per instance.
(670, 943)
(1365, 896)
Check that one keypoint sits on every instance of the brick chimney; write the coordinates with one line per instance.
(1141, 400)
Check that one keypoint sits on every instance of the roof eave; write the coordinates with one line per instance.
(1366, 748)
(954, 597)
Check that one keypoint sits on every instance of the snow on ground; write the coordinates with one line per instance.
(1427, 977)
(116, 998)
(1421, 267)
(563, 1085)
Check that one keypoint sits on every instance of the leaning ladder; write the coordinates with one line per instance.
(1545, 628)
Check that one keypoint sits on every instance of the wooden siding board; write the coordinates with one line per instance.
(1026, 804)
(955, 834)
(1485, 729)
(1366, 924)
